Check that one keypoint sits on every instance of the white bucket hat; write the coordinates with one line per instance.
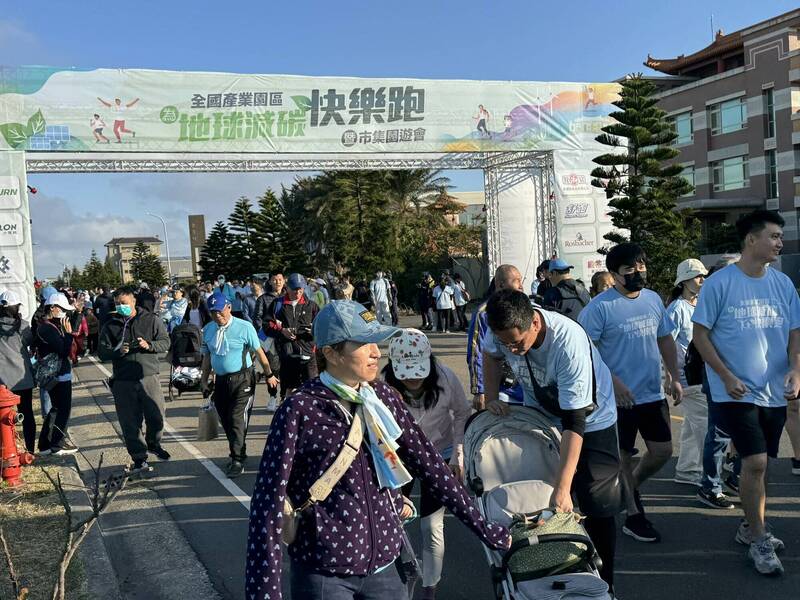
(60, 300)
(689, 269)
(410, 353)
(9, 298)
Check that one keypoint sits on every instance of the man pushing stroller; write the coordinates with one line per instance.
(562, 373)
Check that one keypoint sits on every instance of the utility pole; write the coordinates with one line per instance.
(166, 242)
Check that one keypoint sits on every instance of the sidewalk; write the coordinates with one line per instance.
(147, 550)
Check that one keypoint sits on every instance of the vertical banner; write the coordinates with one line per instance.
(518, 229)
(16, 247)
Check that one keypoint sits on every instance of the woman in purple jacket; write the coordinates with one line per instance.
(348, 543)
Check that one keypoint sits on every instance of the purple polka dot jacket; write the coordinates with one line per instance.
(356, 530)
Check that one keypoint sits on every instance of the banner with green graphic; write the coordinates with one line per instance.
(45, 109)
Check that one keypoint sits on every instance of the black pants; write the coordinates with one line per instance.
(93, 338)
(295, 372)
(233, 398)
(55, 422)
(137, 401)
(393, 312)
(461, 317)
(444, 319)
(28, 419)
(426, 322)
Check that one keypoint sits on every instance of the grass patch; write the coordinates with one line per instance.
(33, 522)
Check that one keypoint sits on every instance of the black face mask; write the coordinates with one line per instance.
(634, 282)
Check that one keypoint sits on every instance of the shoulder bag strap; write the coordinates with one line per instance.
(324, 485)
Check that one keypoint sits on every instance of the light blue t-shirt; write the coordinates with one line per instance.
(626, 331)
(563, 360)
(681, 313)
(228, 358)
(750, 320)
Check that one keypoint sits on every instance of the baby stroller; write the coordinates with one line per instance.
(185, 359)
(511, 464)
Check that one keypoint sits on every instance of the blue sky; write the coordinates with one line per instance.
(530, 40)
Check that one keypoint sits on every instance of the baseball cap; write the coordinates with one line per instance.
(60, 300)
(296, 281)
(410, 353)
(689, 269)
(559, 264)
(349, 321)
(217, 301)
(320, 281)
(10, 298)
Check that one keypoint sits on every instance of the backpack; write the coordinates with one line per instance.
(572, 297)
(186, 342)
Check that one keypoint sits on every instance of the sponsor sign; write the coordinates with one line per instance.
(578, 211)
(10, 196)
(579, 240)
(12, 232)
(12, 266)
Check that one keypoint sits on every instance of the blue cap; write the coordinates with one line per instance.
(349, 321)
(217, 301)
(559, 264)
(296, 281)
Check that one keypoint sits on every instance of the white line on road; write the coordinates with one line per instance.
(212, 468)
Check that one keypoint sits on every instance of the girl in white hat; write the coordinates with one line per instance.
(435, 398)
(689, 280)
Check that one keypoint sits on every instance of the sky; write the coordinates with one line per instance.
(523, 40)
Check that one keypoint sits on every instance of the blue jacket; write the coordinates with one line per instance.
(476, 338)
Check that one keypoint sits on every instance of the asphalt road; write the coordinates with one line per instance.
(696, 559)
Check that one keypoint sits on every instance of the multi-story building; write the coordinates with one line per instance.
(120, 251)
(736, 108)
(182, 267)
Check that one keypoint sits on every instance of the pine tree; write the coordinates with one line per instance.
(93, 272)
(271, 233)
(241, 225)
(215, 257)
(147, 267)
(642, 189)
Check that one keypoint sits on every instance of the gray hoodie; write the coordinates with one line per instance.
(16, 337)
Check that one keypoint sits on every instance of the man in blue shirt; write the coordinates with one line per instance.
(633, 332)
(562, 373)
(228, 343)
(747, 329)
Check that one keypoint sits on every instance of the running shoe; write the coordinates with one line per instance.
(714, 500)
(795, 466)
(64, 448)
(139, 465)
(731, 484)
(160, 452)
(235, 468)
(745, 537)
(640, 529)
(764, 559)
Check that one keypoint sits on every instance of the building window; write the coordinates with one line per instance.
(731, 174)
(683, 127)
(772, 173)
(688, 175)
(768, 97)
(728, 116)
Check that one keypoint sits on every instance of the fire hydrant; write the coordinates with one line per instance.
(9, 460)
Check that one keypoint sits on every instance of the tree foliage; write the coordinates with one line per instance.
(641, 184)
(147, 267)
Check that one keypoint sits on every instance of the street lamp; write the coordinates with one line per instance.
(166, 242)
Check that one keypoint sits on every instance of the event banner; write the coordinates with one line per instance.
(16, 250)
(117, 110)
(45, 109)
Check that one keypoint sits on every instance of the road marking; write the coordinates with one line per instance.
(209, 465)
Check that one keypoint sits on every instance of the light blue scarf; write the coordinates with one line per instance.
(382, 430)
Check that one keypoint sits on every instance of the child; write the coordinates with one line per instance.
(93, 324)
(97, 124)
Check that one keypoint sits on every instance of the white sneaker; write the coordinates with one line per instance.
(745, 537)
(272, 406)
(764, 558)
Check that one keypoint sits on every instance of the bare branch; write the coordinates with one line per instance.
(20, 593)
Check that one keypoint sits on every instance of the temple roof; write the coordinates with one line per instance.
(722, 45)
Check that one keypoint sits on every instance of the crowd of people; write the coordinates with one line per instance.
(603, 362)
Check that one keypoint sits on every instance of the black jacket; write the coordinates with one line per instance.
(50, 338)
(282, 315)
(263, 303)
(137, 363)
(146, 300)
